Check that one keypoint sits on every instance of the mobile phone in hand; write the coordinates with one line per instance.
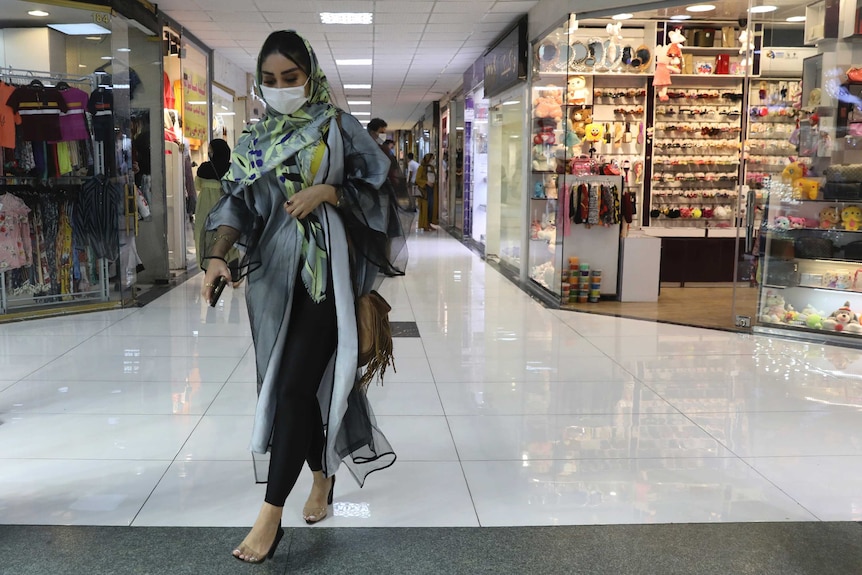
(220, 284)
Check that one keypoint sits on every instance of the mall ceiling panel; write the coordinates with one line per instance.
(397, 7)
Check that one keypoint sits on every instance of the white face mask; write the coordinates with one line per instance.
(381, 138)
(284, 100)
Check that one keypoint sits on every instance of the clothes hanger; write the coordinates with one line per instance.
(36, 84)
(62, 85)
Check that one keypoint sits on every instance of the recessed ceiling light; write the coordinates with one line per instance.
(354, 62)
(82, 65)
(107, 57)
(94, 37)
(358, 102)
(622, 16)
(701, 8)
(357, 86)
(681, 17)
(38, 13)
(763, 9)
(796, 19)
(124, 49)
(345, 18)
(79, 29)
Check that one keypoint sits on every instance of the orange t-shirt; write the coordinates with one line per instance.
(8, 117)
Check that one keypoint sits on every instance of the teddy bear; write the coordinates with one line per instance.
(577, 92)
(541, 160)
(851, 217)
(829, 218)
(549, 105)
(773, 309)
(580, 117)
(674, 50)
(545, 132)
(843, 318)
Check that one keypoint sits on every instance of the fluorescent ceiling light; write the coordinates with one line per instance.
(82, 65)
(354, 62)
(38, 13)
(223, 107)
(346, 17)
(511, 102)
(107, 57)
(796, 19)
(701, 8)
(357, 86)
(94, 37)
(361, 113)
(358, 102)
(681, 17)
(622, 16)
(763, 9)
(124, 49)
(197, 102)
(225, 113)
(79, 29)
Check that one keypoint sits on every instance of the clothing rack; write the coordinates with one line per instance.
(7, 73)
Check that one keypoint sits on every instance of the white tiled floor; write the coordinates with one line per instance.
(502, 413)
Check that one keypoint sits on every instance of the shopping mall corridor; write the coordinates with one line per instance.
(574, 431)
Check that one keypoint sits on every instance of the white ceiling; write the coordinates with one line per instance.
(420, 49)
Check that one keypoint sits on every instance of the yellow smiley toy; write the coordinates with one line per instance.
(851, 216)
(594, 132)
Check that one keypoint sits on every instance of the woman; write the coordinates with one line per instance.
(208, 185)
(425, 178)
(301, 181)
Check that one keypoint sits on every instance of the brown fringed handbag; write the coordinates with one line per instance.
(374, 337)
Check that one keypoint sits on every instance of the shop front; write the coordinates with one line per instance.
(686, 168)
(76, 83)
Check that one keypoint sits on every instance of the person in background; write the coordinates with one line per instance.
(208, 186)
(377, 128)
(412, 166)
(303, 184)
(425, 179)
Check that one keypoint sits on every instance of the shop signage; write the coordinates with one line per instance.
(474, 75)
(195, 98)
(506, 61)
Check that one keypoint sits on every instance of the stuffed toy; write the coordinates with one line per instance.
(851, 216)
(773, 309)
(791, 315)
(843, 317)
(674, 51)
(545, 132)
(844, 280)
(538, 191)
(594, 132)
(577, 91)
(581, 117)
(814, 321)
(541, 161)
(550, 187)
(661, 80)
(781, 223)
(829, 218)
(549, 105)
(572, 138)
(796, 223)
(801, 186)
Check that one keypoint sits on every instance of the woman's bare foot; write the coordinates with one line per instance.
(259, 540)
(316, 507)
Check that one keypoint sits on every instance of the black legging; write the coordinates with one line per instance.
(297, 433)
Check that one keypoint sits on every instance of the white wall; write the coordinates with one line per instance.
(229, 75)
(37, 49)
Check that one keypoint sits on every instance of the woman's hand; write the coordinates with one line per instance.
(216, 268)
(303, 202)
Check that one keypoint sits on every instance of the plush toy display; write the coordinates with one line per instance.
(829, 218)
(796, 223)
(581, 117)
(545, 131)
(781, 223)
(844, 317)
(851, 216)
(773, 309)
(550, 186)
(542, 160)
(577, 92)
(549, 104)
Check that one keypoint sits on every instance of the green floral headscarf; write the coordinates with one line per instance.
(285, 143)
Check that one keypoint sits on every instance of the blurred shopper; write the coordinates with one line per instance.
(426, 177)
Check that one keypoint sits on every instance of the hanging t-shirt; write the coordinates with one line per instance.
(170, 101)
(101, 107)
(73, 123)
(13, 226)
(39, 108)
(8, 119)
